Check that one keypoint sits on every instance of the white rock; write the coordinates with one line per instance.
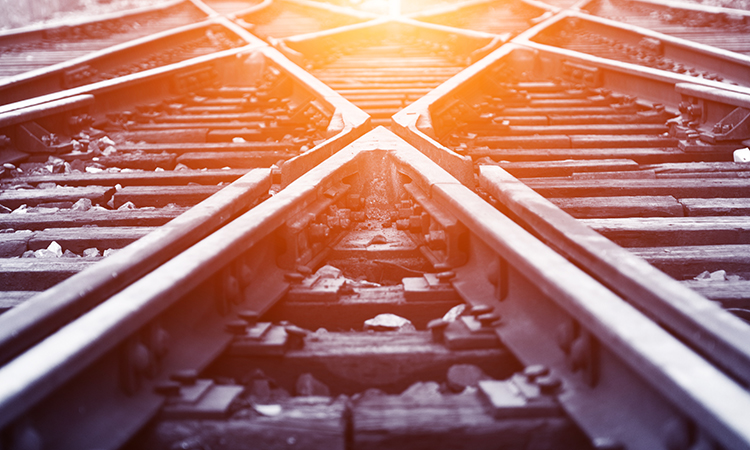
(238, 140)
(55, 248)
(91, 253)
(83, 204)
(91, 169)
(126, 206)
(106, 141)
(423, 391)
(742, 155)
(454, 313)
(158, 169)
(328, 272)
(719, 275)
(20, 210)
(110, 251)
(44, 253)
(268, 410)
(388, 322)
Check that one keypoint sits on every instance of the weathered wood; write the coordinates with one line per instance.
(161, 136)
(718, 166)
(148, 161)
(566, 167)
(17, 274)
(656, 231)
(192, 147)
(624, 141)
(525, 142)
(315, 423)
(11, 299)
(351, 362)
(731, 294)
(702, 188)
(460, 421)
(688, 261)
(622, 206)
(217, 160)
(79, 239)
(521, 152)
(330, 310)
(14, 244)
(32, 197)
(735, 174)
(585, 129)
(74, 219)
(142, 196)
(167, 177)
(716, 206)
(626, 174)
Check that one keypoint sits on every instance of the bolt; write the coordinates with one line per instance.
(478, 310)
(579, 353)
(237, 327)
(304, 270)
(296, 336)
(168, 388)
(487, 320)
(548, 384)
(249, 317)
(535, 371)
(444, 277)
(231, 288)
(677, 434)
(140, 357)
(604, 443)
(437, 327)
(565, 336)
(187, 377)
(159, 341)
(294, 277)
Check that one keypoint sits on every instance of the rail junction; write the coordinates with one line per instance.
(353, 225)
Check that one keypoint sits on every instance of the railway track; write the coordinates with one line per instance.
(296, 223)
(36, 47)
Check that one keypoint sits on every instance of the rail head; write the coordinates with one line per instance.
(22, 33)
(731, 66)
(696, 7)
(669, 381)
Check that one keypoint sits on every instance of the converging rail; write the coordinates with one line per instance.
(613, 346)
(362, 225)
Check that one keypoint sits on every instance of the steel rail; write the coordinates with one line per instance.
(730, 65)
(53, 308)
(49, 79)
(14, 34)
(704, 328)
(645, 379)
(689, 6)
(27, 324)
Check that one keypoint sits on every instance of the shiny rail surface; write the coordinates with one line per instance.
(552, 196)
